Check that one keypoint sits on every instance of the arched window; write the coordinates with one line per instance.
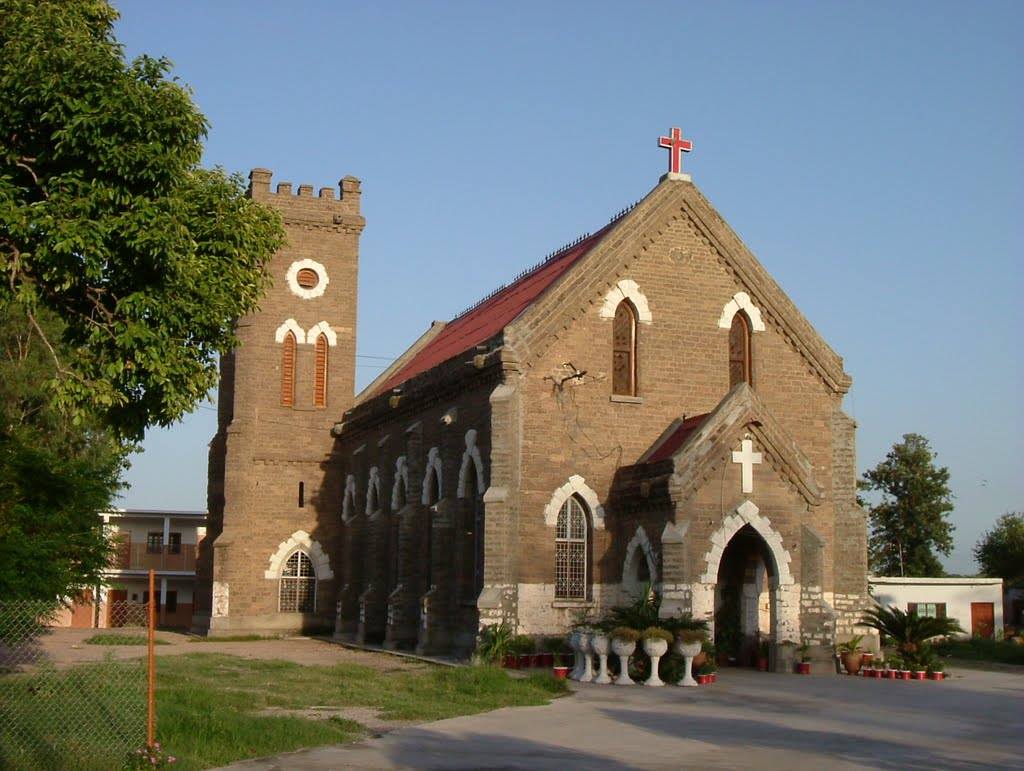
(472, 572)
(433, 493)
(288, 370)
(297, 592)
(320, 373)
(572, 535)
(624, 375)
(739, 350)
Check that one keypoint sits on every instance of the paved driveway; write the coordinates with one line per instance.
(746, 720)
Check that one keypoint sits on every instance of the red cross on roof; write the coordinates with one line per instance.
(676, 146)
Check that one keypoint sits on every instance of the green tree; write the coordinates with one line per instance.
(1000, 552)
(123, 267)
(108, 222)
(910, 523)
(55, 474)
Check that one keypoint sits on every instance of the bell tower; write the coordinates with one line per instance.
(273, 491)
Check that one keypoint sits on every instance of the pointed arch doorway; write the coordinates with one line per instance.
(746, 595)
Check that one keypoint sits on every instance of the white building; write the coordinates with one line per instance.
(162, 540)
(977, 603)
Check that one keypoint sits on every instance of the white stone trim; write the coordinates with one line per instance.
(747, 514)
(300, 541)
(401, 478)
(291, 277)
(578, 485)
(373, 491)
(291, 325)
(471, 456)
(626, 289)
(315, 330)
(741, 301)
(433, 463)
(640, 544)
(348, 503)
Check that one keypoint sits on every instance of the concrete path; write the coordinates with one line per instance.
(746, 720)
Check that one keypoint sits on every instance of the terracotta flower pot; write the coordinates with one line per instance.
(511, 661)
(936, 675)
(702, 679)
(803, 667)
(904, 674)
(920, 674)
(547, 659)
(852, 662)
(560, 673)
(890, 674)
(524, 660)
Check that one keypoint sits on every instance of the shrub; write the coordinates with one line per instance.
(625, 633)
(495, 643)
(522, 644)
(657, 633)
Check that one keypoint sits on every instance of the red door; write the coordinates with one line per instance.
(983, 619)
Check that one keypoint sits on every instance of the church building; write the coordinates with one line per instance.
(644, 405)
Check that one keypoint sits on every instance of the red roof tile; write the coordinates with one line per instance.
(492, 315)
(677, 438)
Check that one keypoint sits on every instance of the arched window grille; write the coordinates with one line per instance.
(624, 340)
(288, 370)
(739, 350)
(572, 535)
(320, 373)
(298, 585)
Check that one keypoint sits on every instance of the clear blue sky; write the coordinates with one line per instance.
(868, 153)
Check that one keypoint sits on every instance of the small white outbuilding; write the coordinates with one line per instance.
(977, 603)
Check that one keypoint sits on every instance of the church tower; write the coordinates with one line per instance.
(273, 492)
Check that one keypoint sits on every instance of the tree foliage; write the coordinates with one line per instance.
(1000, 552)
(55, 475)
(910, 523)
(109, 224)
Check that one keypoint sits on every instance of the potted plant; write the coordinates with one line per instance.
(803, 655)
(522, 646)
(850, 654)
(936, 671)
(560, 665)
(601, 644)
(624, 642)
(550, 646)
(705, 674)
(893, 666)
(688, 644)
(494, 646)
(763, 650)
(655, 644)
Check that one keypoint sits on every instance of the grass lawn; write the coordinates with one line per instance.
(213, 708)
(120, 639)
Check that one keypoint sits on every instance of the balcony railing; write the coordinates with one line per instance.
(138, 556)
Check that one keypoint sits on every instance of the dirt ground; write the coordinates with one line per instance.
(65, 647)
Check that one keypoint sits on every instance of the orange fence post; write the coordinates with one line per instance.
(151, 644)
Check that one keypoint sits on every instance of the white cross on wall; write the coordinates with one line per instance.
(747, 458)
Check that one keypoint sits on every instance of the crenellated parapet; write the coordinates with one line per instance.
(303, 208)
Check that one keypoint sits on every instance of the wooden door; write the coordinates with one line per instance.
(81, 611)
(983, 619)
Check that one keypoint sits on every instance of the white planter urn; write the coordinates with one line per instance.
(688, 650)
(600, 644)
(574, 643)
(587, 671)
(655, 648)
(623, 649)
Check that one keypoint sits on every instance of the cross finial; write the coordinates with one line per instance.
(747, 459)
(676, 146)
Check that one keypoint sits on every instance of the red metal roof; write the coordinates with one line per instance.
(485, 320)
(677, 438)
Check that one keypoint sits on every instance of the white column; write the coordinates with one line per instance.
(163, 598)
(167, 530)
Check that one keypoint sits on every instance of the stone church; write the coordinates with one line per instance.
(644, 405)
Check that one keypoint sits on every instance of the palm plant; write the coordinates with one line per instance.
(907, 630)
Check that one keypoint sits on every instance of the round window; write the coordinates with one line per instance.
(307, 278)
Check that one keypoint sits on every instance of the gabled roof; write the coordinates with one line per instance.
(486, 319)
(673, 438)
(712, 437)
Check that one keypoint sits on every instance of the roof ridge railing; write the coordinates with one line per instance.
(548, 258)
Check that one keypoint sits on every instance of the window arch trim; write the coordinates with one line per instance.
(575, 485)
(626, 289)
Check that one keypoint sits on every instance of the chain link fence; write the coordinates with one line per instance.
(66, 702)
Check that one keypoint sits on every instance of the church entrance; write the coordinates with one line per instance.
(745, 598)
